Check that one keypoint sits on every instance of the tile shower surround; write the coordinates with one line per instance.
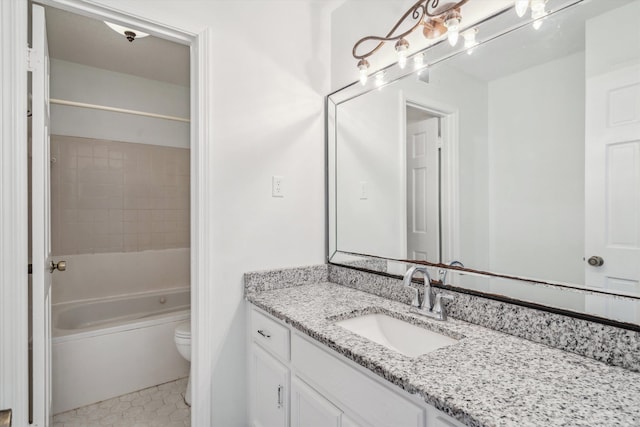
(608, 344)
(109, 196)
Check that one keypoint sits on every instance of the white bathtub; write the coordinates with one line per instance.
(113, 346)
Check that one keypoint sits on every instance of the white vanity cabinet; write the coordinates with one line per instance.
(296, 381)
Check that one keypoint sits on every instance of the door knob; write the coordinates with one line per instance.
(595, 261)
(60, 266)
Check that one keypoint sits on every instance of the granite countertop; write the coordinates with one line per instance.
(486, 379)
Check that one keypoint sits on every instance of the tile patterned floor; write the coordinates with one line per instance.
(158, 406)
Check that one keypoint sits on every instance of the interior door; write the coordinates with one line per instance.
(423, 202)
(612, 191)
(40, 232)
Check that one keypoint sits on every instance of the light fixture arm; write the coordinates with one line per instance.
(417, 12)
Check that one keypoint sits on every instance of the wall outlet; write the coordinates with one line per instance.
(277, 184)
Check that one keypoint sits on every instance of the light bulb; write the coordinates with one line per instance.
(402, 48)
(537, 6)
(380, 79)
(363, 66)
(538, 14)
(470, 39)
(452, 35)
(452, 22)
(418, 61)
(537, 24)
(402, 60)
(521, 7)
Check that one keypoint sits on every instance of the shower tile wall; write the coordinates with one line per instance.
(109, 196)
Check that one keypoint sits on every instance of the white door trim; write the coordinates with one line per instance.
(13, 210)
(13, 195)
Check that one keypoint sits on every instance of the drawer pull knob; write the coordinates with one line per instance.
(263, 333)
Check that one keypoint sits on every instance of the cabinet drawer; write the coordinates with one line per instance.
(270, 334)
(376, 404)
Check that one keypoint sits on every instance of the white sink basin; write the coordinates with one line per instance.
(396, 334)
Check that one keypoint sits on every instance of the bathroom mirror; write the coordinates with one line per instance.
(519, 159)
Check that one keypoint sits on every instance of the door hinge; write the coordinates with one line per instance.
(30, 64)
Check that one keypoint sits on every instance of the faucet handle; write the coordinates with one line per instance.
(438, 308)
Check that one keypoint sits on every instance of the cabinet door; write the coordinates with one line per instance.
(440, 419)
(269, 388)
(310, 409)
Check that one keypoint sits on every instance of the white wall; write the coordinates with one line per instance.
(272, 73)
(608, 50)
(370, 149)
(536, 134)
(81, 83)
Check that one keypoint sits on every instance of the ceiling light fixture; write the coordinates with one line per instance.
(129, 33)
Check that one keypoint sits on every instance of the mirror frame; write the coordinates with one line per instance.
(496, 25)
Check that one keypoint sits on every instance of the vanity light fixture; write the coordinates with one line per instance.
(129, 33)
(435, 21)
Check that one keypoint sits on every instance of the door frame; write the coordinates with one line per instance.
(13, 199)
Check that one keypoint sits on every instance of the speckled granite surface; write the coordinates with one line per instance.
(486, 379)
(615, 346)
(258, 281)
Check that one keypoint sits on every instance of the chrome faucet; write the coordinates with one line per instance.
(430, 304)
(443, 272)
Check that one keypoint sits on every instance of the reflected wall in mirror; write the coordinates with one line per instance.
(521, 159)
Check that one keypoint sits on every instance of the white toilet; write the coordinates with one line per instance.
(182, 337)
